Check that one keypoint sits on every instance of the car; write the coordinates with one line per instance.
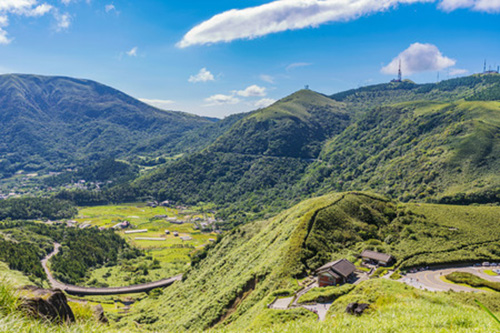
(486, 264)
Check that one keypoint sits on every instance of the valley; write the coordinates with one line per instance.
(224, 227)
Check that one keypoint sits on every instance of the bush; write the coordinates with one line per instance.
(326, 294)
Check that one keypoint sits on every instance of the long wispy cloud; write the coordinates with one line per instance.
(282, 15)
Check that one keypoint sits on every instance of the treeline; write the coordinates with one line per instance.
(88, 248)
(31, 208)
(22, 257)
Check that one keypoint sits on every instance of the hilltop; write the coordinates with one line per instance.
(405, 140)
(52, 122)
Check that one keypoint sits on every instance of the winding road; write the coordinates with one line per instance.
(431, 279)
(75, 290)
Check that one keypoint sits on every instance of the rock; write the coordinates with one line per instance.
(356, 308)
(99, 314)
(50, 304)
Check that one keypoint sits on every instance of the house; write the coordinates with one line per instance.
(335, 273)
(377, 258)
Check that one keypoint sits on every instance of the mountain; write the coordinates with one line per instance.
(257, 160)
(434, 142)
(253, 264)
(51, 122)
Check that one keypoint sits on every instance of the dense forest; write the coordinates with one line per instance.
(32, 208)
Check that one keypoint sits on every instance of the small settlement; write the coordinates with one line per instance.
(342, 271)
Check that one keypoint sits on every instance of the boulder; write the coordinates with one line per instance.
(356, 308)
(50, 304)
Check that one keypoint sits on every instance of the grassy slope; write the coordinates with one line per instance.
(399, 308)
(233, 285)
(415, 151)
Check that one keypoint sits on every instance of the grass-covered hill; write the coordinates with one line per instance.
(474, 87)
(413, 142)
(257, 160)
(419, 151)
(49, 122)
(231, 287)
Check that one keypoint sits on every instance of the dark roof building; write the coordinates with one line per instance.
(334, 273)
(377, 257)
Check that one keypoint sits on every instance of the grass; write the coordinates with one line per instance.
(490, 272)
(472, 280)
(326, 294)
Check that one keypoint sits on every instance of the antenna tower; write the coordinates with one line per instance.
(400, 75)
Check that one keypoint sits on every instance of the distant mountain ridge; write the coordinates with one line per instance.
(413, 142)
(49, 122)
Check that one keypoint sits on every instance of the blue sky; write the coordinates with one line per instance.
(215, 58)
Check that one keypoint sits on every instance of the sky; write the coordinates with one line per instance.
(220, 57)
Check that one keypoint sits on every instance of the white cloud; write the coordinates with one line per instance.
(264, 103)
(159, 103)
(203, 76)
(110, 8)
(221, 99)
(489, 6)
(267, 78)
(252, 91)
(458, 71)
(132, 52)
(419, 58)
(63, 21)
(281, 15)
(297, 65)
(38, 10)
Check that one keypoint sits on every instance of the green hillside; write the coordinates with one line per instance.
(431, 142)
(418, 151)
(257, 161)
(52, 122)
(242, 273)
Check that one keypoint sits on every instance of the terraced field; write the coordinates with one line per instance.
(164, 258)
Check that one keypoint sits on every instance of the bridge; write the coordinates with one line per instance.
(76, 290)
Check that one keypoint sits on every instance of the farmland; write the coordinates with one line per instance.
(164, 258)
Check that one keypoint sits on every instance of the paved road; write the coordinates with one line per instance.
(431, 279)
(319, 308)
(75, 290)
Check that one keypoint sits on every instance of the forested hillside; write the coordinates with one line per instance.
(409, 141)
(257, 161)
(52, 122)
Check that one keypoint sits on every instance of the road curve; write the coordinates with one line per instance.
(431, 279)
(75, 290)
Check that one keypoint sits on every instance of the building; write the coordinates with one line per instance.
(335, 273)
(377, 258)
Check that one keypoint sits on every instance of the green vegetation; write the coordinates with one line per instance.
(83, 249)
(326, 294)
(11, 320)
(472, 280)
(29, 208)
(52, 123)
(104, 172)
